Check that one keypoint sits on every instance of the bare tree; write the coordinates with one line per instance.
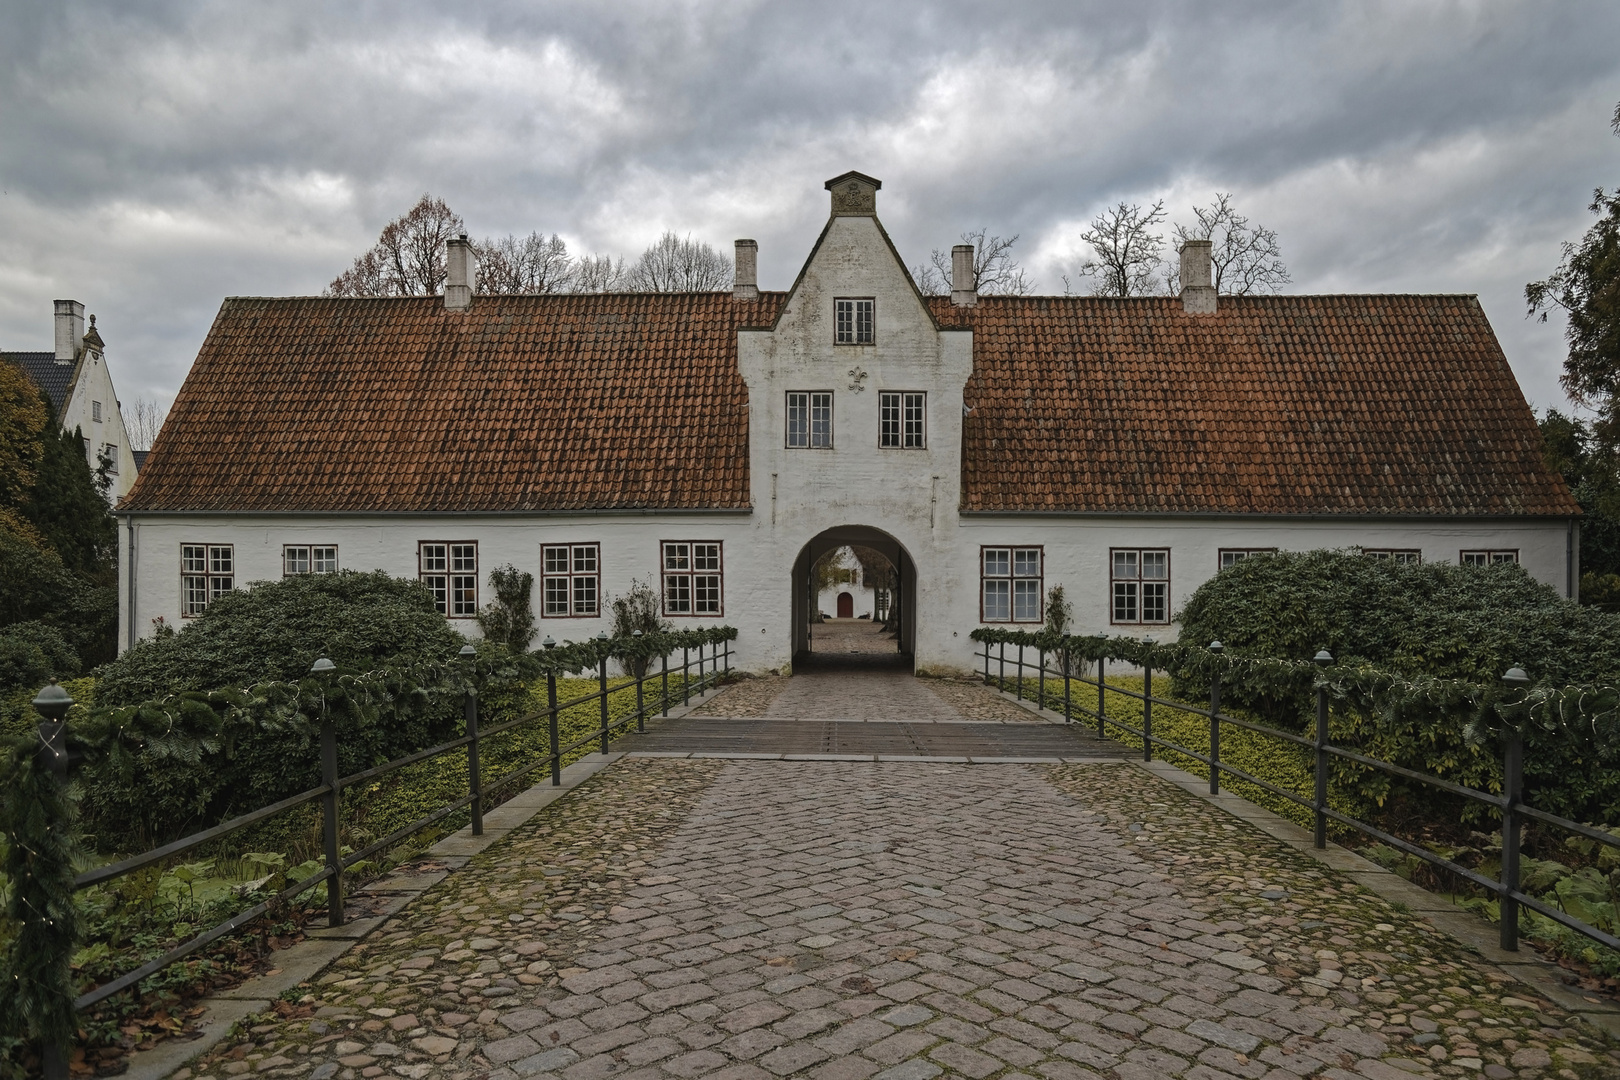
(526, 264)
(1247, 258)
(677, 265)
(143, 420)
(1127, 262)
(995, 271)
(409, 256)
(599, 273)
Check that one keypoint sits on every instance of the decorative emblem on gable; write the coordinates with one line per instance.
(857, 378)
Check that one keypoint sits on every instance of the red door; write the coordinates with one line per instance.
(846, 606)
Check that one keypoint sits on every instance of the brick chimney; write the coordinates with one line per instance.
(459, 267)
(746, 286)
(69, 330)
(1197, 278)
(964, 290)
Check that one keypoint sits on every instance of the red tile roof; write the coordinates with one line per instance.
(1277, 405)
(1273, 405)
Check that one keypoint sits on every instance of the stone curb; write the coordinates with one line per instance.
(324, 945)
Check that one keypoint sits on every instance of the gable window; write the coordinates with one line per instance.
(572, 580)
(853, 321)
(315, 559)
(692, 577)
(111, 452)
(450, 572)
(1486, 558)
(95, 411)
(809, 419)
(1141, 585)
(1010, 584)
(1399, 555)
(901, 419)
(206, 571)
(1236, 555)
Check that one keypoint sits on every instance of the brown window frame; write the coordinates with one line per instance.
(569, 578)
(454, 607)
(690, 574)
(1012, 577)
(855, 320)
(1492, 556)
(1114, 581)
(208, 574)
(809, 443)
(901, 434)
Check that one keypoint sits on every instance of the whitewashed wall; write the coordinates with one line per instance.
(93, 383)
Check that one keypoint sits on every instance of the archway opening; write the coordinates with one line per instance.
(854, 593)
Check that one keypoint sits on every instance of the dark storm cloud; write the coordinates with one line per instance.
(156, 158)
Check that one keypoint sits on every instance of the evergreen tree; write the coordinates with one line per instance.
(69, 509)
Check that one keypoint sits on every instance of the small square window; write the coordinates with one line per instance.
(853, 320)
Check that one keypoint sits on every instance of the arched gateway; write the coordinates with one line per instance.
(903, 604)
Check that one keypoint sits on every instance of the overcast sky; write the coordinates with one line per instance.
(157, 157)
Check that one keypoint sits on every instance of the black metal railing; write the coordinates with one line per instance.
(1510, 804)
(712, 661)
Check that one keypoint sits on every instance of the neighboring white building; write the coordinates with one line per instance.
(719, 443)
(850, 596)
(76, 377)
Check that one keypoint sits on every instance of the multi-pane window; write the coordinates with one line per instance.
(880, 605)
(312, 559)
(1010, 584)
(1399, 555)
(1141, 585)
(692, 577)
(1236, 555)
(809, 419)
(206, 571)
(111, 451)
(1486, 558)
(572, 576)
(901, 419)
(95, 411)
(853, 319)
(450, 572)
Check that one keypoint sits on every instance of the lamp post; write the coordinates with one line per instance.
(53, 703)
(551, 705)
(1512, 794)
(322, 670)
(640, 663)
(1319, 810)
(475, 785)
(601, 677)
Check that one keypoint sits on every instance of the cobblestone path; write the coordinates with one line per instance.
(846, 920)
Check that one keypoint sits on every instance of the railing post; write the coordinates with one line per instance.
(686, 675)
(641, 672)
(1020, 671)
(985, 647)
(1068, 712)
(1101, 714)
(663, 674)
(53, 703)
(1512, 795)
(551, 720)
(1319, 803)
(1040, 679)
(1001, 678)
(1215, 723)
(1147, 712)
(329, 804)
(475, 783)
(601, 675)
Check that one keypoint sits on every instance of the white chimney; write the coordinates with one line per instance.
(1197, 278)
(964, 290)
(459, 267)
(69, 330)
(747, 284)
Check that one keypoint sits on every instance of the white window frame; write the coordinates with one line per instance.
(693, 578)
(111, 450)
(1012, 583)
(854, 320)
(1487, 556)
(571, 580)
(1403, 556)
(299, 559)
(903, 419)
(95, 412)
(207, 572)
(1139, 586)
(449, 569)
(809, 420)
(1228, 556)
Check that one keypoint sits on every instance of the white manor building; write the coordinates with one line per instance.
(716, 444)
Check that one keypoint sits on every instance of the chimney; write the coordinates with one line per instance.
(69, 330)
(459, 266)
(964, 291)
(854, 195)
(747, 284)
(1197, 278)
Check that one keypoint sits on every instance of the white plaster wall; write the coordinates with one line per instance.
(93, 383)
(862, 596)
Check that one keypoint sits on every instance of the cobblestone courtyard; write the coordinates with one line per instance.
(759, 919)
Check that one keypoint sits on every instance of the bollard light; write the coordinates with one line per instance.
(635, 633)
(53, 702)
(323, 666)
(1515, 677)
(468, 652)
(1216, 647)
(548, 643)
(1323, 658)
(602, 636)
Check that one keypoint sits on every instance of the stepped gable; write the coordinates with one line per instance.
(1321, 405)
(523, 403)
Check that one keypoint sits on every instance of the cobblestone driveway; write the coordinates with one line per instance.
(753, 919)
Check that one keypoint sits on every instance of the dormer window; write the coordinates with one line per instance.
(854, 321)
